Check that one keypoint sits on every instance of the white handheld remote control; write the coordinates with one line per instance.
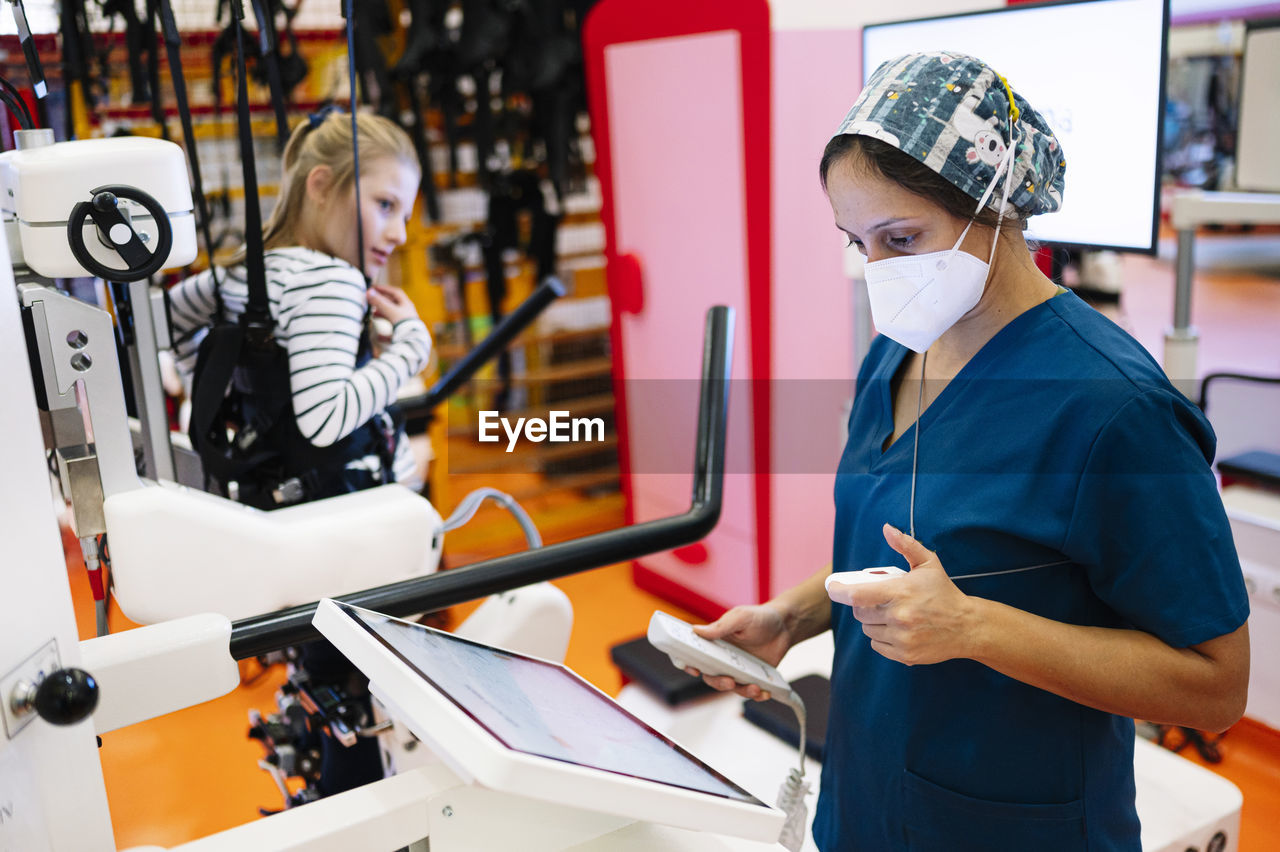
(713, 657)
(855, 578)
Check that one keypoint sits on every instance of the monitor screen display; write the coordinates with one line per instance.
(1095, 70)
(541, 708)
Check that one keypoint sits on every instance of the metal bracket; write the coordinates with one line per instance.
(75, 342)
(15, 684)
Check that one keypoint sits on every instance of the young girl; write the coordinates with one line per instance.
(337, 436)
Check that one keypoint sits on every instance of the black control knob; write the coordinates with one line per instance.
(63, 697)
(117, 233)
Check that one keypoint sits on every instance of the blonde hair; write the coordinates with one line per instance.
(328, 143)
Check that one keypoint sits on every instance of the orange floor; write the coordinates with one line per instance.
(194, 772)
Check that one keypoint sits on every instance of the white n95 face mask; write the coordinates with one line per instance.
(916, 298)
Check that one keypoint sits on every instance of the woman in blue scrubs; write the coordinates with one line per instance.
(1070, 563)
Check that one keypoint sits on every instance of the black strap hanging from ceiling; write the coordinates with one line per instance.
(418, 133)
(484, 39)
(371, 20)
(256, 319)
(249, 342)
(153, 66)
(244, 355)
(278, 71)
(12, 98)
(135, 39)
(75, 61)
(348, 12)
(268, 56)
(84, 60)
(34, 68)
(424, 39)
(173, 47)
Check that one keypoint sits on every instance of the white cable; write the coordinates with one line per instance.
(791, 796)
(1010, 570)
(470, 504)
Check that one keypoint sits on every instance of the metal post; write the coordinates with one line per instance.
(1181, 342)
(1186, 267)
(144, 364)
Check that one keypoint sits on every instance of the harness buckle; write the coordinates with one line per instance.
(290, 491)
(246, 437)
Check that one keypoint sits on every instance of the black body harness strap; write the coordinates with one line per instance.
(242, 378)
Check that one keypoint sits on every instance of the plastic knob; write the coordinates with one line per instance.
(66, 696)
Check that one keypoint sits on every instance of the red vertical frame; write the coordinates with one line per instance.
(622, 21)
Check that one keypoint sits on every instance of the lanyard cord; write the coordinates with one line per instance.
(915, 450)
(915, 457)
(1009, 570)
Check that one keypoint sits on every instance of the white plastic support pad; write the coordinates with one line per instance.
(176, 551)
(150, 671)
(520, 725)
(535, 620)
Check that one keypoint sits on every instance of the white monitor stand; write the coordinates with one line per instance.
(542, 749)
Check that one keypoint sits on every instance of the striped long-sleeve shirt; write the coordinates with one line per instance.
(318, 303)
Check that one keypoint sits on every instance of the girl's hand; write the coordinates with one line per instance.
(917, 619)
(758, 630)
(391, 303)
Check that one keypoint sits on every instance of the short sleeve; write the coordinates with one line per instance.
(1149, 526)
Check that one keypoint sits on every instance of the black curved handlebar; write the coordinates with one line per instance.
(503, 333)
(262, 633)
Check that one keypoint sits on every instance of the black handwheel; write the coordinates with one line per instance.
(140, 261)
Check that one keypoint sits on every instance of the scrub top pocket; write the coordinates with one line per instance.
(940, 820)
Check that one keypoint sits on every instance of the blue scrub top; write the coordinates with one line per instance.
(1061, 440)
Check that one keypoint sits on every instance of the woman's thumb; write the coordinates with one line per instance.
(915, 553)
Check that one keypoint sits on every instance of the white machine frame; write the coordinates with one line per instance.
(478, 755)
(52, 792)
(238, 561)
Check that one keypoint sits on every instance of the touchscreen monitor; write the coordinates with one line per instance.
(527, 726)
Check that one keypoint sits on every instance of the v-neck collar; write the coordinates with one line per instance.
(990, 352)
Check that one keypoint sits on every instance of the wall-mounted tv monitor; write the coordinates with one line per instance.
(1095, 70)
